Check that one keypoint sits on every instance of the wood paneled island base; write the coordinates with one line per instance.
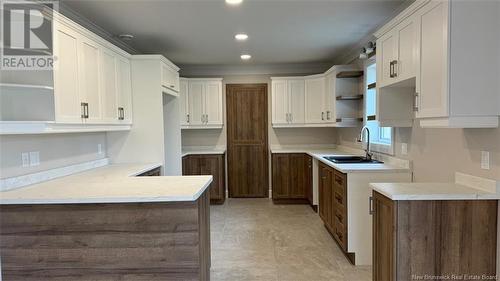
(120, 241)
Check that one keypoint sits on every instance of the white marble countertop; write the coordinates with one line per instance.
(116, 183)
(320, 152)
(465, 187)
(191, 150)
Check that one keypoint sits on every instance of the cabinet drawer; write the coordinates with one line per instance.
(341, 217)
(339, 234)
(339, 200)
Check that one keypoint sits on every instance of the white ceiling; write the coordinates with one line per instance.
(200, 32)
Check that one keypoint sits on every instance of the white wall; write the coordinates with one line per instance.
(56, 150)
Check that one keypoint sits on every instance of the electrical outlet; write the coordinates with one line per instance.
(485, 160)
(34, 158)
(25, 159)
(404, 148)
(99, 148)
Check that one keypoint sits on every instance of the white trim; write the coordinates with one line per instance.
(488, 185)
(460, 122)
(400, 17)
(20, 181)
(156, 57)
(50, 127)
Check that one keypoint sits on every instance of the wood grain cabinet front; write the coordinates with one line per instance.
(291, 175)
(208, 164)
(414, 239)
(333, 205)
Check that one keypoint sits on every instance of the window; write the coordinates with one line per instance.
(381, 138)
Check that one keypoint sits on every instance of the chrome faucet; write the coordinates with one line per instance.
(360, 139)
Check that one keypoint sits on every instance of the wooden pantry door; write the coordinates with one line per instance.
(247, 161)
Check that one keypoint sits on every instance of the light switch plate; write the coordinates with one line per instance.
(485, 160)
(34, 158)
(404, 148)
(25, 159)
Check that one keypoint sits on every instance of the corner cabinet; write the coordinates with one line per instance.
(89, 88)
(201, 105)
(291, 178)
(454, 82)
(208, 164)
(406, 234)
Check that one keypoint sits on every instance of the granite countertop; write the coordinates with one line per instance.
(116, 183)
(465, 187)
(320, 152)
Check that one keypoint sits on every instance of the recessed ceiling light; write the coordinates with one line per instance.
(241, 37)
(233, 2)
(246, 57)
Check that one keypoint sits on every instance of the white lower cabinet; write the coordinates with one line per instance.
(201, 103)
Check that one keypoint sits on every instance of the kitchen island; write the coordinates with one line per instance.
(107, 224)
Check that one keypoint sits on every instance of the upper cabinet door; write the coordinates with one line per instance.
(280, 102)
(196, 97)
(213, 103)
(68, 107)
(109, 86)
(89, 79)
(296, 92)
(169, 78)
(386, 56)
(432, 87)
(405, 67)
(124, 90)
(184, 102)
(315, 91)
(329, 99)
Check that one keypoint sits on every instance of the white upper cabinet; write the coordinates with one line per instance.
(184, 101)
(288, 96)
(213, 103)
(296, 93)
(68, 108)
(280, 102)
(170, 78)
(456, 77)
(397, 54)
(90, 79)
(124, 90)
(314, 100)
(201, 103)
(109, 86)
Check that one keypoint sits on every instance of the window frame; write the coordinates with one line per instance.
(378, 144)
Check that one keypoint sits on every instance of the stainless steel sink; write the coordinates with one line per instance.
(351, 160)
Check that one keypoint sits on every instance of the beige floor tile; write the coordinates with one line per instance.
(253, 239)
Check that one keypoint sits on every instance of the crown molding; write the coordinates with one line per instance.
(292, 69)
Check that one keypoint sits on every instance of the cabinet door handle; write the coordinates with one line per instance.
(206, 118)
(85, 108)
(370, 205)
(391, 75)
(328, 115)
(82, 104)
(187, 118)
(172, 86)
(323, 116)
(121, 114)
(395, 68)
(415, 103)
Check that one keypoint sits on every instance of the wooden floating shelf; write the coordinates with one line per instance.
(350, 74)
(371, 118)
(356, 97)
(372, 85)
(349, 119)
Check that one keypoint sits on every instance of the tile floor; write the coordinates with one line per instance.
(253, 239)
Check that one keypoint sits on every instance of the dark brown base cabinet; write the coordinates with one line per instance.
(292, 178)
(415, 239)
(208, 164)
(333, 205)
